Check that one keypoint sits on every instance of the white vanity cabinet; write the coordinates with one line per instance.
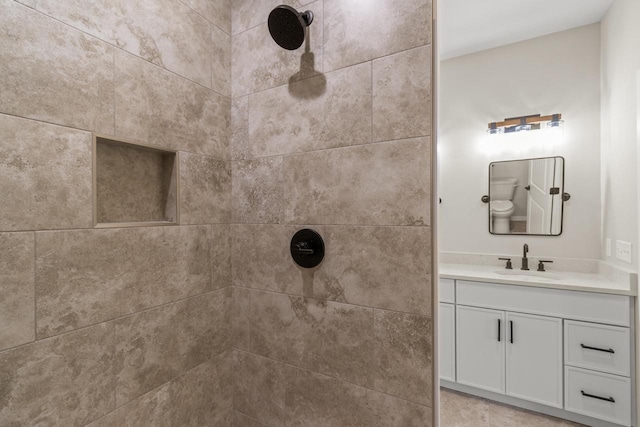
(568, 351)
(519, 355)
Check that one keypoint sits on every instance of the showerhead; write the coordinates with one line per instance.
(288, 26)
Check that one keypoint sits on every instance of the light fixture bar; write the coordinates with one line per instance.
(524, 120)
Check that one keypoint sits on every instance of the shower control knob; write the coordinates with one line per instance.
(307, 248)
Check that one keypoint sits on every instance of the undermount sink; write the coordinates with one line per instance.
(539, 274)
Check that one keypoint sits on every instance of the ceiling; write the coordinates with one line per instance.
(467, 26)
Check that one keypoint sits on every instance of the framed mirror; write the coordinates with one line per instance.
(526, 197)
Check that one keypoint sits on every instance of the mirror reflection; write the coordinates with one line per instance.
(526, 196)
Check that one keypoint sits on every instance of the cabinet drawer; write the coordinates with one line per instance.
(603, 396)
(446, 290)
(590, 307)
(599, 347)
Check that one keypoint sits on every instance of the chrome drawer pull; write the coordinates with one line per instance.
(608, 399)
(605, 350)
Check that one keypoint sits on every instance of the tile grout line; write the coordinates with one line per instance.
(76, 129)
(325, 72)
(115, 47)
(331, 376)
(204, 17)
(114, 319)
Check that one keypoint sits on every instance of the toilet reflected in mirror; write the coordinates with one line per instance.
(526, 196)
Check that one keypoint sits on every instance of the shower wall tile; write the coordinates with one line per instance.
(65, 380)
(164, 32)
(205, 190)
(160, 108)
(261, 259)
(199, 397)
(155, 346)
(259, 63)
(241, 321)
(16, 289)
(403, 356)
(257, 191)
(318, 113)
(217, 12)
(259, 388)
(239, 144)
(221, 255)
(402, 95)
(86, 277)
(53, 73)
(45, 176)
(316, 400)
(382, 267)
(250, 13)
(373, 184)
(221, 61)
(330, 338)
(355, 32)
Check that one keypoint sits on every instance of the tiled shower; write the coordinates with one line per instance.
(192, 312)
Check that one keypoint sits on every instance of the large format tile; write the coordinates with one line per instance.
(65, 380)
(165, 32)
(331, 338)
(403, 356)
(216, 11)
(261, 259)
(259, 388)
(45, 176)
(86, 277)
(160, 108)
(205, 190)
(316, 400)
(16, 289)
(402, 95)
(202, 396)
(357, 31)
(257, 191)
(159, 344)
(53, 73)
(373, 184)
(382, 267)
(259, 63)
(335, 112)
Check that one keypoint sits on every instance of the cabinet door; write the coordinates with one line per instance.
(447, 343)
(534, 358)
(480, 347)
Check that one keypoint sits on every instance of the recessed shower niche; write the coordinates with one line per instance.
(133, 184)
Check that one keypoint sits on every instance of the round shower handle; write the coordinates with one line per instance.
(307, 248)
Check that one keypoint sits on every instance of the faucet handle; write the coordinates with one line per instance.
(541, 264)
(508, 266)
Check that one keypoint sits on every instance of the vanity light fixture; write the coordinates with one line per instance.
(524, 123)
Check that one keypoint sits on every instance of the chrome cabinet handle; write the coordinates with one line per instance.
(593, 396)
(605, 350)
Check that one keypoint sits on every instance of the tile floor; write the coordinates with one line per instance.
(462, 410)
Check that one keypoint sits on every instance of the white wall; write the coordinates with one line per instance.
(555, 73)
(620, 65)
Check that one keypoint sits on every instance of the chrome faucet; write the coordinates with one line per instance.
(525, 260)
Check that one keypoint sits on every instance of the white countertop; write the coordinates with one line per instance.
(587, 282)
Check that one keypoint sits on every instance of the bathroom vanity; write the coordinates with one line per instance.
(561, 344)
